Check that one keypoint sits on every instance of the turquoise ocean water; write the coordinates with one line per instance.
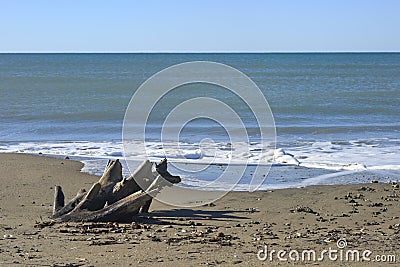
(337, 115)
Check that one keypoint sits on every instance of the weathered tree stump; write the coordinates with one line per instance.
(114, 198)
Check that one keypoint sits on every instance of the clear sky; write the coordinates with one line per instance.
(199, 26)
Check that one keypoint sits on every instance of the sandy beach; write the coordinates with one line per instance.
(232, 231)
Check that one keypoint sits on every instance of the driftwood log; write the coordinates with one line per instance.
(114, 198)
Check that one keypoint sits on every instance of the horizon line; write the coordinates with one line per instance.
(188, 52)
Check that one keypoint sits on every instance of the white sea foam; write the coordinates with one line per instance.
(215, 153)
(352, 155)
(342, 158)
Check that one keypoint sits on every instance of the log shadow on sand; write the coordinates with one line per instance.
(182, 216)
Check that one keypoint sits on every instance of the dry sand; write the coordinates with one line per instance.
(229, 233)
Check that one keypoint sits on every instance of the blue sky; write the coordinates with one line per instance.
(199, 26)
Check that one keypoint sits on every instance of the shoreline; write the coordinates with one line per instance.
(230, 232)
(373, 157)
(280, 176)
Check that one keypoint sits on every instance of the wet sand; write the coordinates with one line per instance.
(230, 232)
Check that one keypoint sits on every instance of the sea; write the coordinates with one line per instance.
(336, 115)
